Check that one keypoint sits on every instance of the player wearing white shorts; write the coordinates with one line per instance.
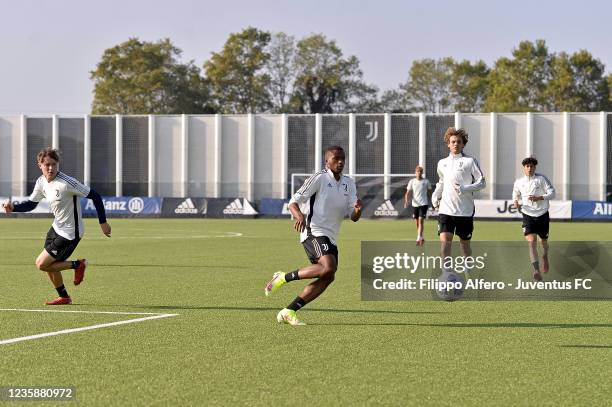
(63, 194)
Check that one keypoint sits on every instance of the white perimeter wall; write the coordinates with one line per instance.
(260, 173)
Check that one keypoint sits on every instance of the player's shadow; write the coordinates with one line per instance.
(587, 346)
(266, 309)
(481, 325)
(124, 265)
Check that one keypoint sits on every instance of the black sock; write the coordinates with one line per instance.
(296, 304)
(61, 290)
(536, 265)
(75, 264)
(292, 276)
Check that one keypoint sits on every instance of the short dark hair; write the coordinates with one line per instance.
(47, 152)
(529, 160)
(333, 148)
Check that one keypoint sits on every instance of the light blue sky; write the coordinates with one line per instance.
(49, 47)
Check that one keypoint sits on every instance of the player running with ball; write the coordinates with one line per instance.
(459, 177)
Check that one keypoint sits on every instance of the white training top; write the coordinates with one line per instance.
(419, 188)
(536, 185)
(325, 202)
(63, 195)
(458, 171)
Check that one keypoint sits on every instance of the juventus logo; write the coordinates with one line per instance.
(325, 246)
(373, 132)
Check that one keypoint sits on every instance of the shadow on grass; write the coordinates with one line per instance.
(587, 346)
(228, 308)
(122, 265)
(481, 325)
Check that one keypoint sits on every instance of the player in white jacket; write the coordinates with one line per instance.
(318, 207)
(418, 192)
(459, 177)
(531, 194)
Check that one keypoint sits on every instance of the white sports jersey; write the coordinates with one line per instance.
(536, 185)
(419, 190)
(458, 171)
(325, 202)
(63, 195)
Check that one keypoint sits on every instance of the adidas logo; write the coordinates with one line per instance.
(237, 208)
(386, 209)
(186, 207)
(234, 208)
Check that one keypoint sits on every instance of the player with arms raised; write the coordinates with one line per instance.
(319, 208)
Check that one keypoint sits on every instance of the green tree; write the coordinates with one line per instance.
(395, 101)
(442, 85)
(518, 84)
(281, 70)
(428, 85)
(469, 86)
(577, 83)
(139, 77)
(326, 82)
(236, 74)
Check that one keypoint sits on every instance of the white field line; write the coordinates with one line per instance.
(84, 328)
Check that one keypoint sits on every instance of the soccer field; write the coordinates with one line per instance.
(202, 332)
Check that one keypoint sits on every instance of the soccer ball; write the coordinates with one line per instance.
(450, 285)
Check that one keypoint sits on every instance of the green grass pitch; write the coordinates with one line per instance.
(224, 347)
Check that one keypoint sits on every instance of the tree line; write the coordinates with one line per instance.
(263, 72)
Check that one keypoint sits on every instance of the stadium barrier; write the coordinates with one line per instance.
(229, 208)
(374, 208)
(500, 209)
(592, 210)
(124, 206)
(184, 207)
(274, 208)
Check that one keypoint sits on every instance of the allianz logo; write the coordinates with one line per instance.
(602, 209)
(386, 209)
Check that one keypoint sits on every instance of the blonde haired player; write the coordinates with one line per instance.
(418, 191)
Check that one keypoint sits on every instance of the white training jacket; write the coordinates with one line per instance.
(325, 202)
(459, 177)
(537, 185)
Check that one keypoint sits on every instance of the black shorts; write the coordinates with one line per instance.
(419, 211)
(318, 246)
(538, 225)
(59, 247)
(462, 226)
